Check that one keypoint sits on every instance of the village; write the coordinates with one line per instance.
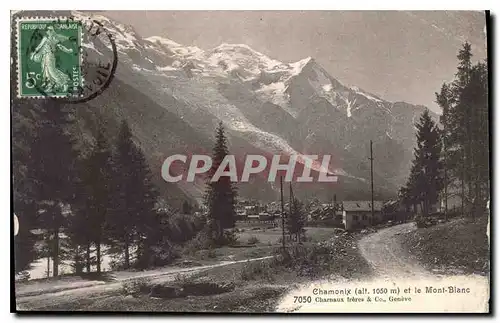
(351, 215)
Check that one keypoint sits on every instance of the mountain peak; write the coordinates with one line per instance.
(242, 55)
(163, 41)
(298, 66)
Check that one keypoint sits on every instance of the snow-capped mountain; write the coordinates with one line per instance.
(173, 96)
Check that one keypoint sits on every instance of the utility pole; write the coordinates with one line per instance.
(282, 212)
(290, 208)
(371, 177)
(463, 182)
(445, 178)
(48, 266)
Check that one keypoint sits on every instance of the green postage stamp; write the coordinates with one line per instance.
(49, 57)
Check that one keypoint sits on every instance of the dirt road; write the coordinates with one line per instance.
(385, 254)
(394, 268)
(38, 296)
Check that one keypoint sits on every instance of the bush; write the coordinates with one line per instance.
(180, 279)
(229, 238)
(163, 255)
(22, 276)
(425, 221)
(182, 227)
(200, 242)
(420, 221)
(136, 287)
(253, 240)
(258, 270)
(305, 260)
(204, 240)
(207, 254)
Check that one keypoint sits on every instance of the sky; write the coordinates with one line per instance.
(397, 55)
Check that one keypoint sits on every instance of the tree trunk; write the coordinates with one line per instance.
(48, 266)
(127, 254)
(462, 184)
(445, 167)
(87, 257)
(78, 266)
(98, 256)
(55, 253)
(220, 231)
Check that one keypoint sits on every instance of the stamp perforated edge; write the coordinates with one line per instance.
(17, 21)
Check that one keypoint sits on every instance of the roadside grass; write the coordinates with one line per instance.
(259, 285)
(252, 297)
(253, 242)
(244, 287)
(457, 246)
(338, 256)
(266, 235)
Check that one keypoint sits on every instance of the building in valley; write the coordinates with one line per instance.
(358, 214)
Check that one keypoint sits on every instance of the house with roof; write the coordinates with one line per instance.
(358, 214)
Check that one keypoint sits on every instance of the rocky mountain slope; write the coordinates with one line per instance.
(174, 95)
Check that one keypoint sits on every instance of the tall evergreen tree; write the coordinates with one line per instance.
(297, 219)
(444, 100)
(24, 198)
(53, 172)
(97, 175)
(425, 181)
(220, 196)
(465, 120)
(80, 232)
(186, 207)
(148, 225)
(133, 220)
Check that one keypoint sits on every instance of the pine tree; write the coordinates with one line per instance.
(24, 197)
(425, 181)
(24, 242)
(297, 219)
(444, 100)
(53, 172)
(133, 220)
(465, 120)
(97, 175)
(186, 207)
(220, 196)
(121, 223)
(79, 229)
(148, 226)
(475, 94)
(80, 232)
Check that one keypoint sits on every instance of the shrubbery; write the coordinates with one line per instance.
(425, 222)
(204, 241)
(177, 232)
(305, 260)
(181, 228)
(136, 287)
(258, 270)
(253, 240)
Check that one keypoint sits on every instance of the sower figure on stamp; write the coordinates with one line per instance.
(45, 53)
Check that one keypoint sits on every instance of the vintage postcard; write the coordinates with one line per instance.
(250, 161)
